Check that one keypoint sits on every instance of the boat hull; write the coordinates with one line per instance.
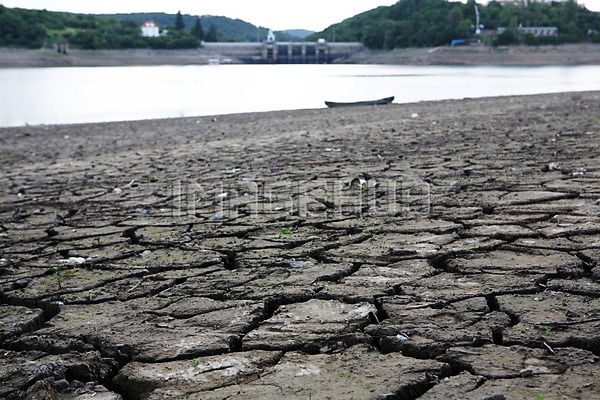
(385, 100)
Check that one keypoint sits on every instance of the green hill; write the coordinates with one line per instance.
(38, 28)
(422, 23)
(298, 33)
(229, 30)
(408, 23)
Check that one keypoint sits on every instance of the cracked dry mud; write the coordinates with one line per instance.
(442, 250)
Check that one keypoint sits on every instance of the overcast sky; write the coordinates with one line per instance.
(314, 15)
(275, 14)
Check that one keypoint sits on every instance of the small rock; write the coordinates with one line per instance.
(51, 232)
(596, 273)
(77, 384)
(357, 183)
(61, 385)
(301, 264)
(525, 372)
(579, 172)
(454, 187)
(54, 370)
(414, 115)
(499, 396)
(73, 261)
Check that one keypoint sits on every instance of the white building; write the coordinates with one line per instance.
(535, 1)
(150, 29)
(537, 31)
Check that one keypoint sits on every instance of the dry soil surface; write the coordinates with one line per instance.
(443, 250)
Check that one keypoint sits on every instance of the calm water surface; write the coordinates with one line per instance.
(72, 95)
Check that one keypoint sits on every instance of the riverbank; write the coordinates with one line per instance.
(579, 54)
(367, 252)
(568, 54)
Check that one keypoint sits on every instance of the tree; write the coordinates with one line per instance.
(179, 25)
(211, 36)
(197, 30)
(509, 36)
(572, 11)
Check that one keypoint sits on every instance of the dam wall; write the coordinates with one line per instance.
(320, 52)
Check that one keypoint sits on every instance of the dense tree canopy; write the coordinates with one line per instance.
(33, 29)
(179, 24)
(408, 23)
(197, 31)
(211, 35)
(416, 23)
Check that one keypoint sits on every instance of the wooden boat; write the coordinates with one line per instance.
(385, 100)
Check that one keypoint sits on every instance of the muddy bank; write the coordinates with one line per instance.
(576, 54)
(13, 58)
(568, 54)
(431, 250)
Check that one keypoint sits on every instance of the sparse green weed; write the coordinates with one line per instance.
(288, 230)
(58, 276)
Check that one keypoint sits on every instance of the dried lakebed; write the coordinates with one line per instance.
(443, 250)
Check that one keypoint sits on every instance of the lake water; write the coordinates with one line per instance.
(72, 95)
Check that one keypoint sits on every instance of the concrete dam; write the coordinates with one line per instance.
(320, 52)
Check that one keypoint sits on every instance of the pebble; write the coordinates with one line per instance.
(525, 372)
(73, 261)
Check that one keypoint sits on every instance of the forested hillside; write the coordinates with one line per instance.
(420, 23)
(36, 28)
(408, 23)
(228, 30)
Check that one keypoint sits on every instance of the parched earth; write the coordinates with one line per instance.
(442, 250)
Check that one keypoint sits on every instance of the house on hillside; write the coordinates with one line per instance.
(537, 31)
(150, 29)
(535, 1)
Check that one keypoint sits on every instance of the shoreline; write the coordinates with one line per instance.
(567, 54)
(256, 114)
